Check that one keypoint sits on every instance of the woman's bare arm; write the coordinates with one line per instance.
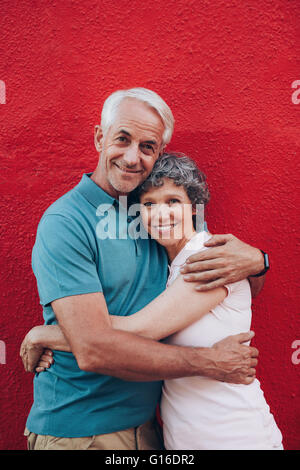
(174, 309)
(177, 307)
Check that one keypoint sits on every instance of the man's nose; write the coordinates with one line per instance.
(132, 155)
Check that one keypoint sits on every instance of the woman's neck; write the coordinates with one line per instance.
(173, 250)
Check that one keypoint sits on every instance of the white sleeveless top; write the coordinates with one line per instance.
(201, 413)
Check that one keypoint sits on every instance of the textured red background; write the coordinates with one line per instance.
(226, 69)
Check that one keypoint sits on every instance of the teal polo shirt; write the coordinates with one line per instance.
(73, 255)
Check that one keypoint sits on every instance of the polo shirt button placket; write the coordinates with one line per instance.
(137, 247)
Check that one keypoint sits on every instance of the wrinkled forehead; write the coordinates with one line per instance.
(137, 115)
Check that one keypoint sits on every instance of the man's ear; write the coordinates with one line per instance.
(162, 149)
(98, 138)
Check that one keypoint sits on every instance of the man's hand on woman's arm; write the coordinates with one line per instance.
(227, 260)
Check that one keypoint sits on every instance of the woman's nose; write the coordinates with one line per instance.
(164, 214)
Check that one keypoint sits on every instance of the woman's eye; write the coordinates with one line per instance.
(148, 204)
(174, 201)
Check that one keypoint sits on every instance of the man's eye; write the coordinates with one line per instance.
(148, 148)
(121, 138)
(174, 201)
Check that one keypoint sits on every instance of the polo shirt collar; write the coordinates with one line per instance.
(93, 193)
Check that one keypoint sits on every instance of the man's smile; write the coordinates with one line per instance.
(127, 170)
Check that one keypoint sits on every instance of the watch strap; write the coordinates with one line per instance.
(267, 265)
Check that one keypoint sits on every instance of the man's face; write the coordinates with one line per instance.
(130, 147)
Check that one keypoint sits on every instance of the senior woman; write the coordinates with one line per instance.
(197, 412)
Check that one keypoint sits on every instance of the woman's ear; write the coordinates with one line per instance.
(98, 138)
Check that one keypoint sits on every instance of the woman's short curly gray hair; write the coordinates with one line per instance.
(183, 171)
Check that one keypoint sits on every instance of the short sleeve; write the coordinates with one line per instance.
(238, 295)
(229, 289)
(63, 261)
(238, 287)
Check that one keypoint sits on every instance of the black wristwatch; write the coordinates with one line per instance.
(267, 265)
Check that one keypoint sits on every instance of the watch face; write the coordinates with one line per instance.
(267, 265)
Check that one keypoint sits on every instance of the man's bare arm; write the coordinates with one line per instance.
(86, 326)
(256, 284)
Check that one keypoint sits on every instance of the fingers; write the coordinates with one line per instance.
(248, 380)
(46, 360)
(219, 239)
(209, 271)
(203, 276)
(43, 364)
(206, 255)
(245, 337)
(48, 352)
(253, 362)
(254, 352)
(244, 377)
(211, 285)
(217, 275)
(250, 373)
(241, 378)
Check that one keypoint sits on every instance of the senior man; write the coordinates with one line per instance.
(104, 393)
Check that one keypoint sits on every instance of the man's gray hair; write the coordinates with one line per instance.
(183, 171)
(149, 97)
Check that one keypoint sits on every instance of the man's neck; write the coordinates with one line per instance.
(105, 186)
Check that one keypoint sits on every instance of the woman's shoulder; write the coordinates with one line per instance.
(196, 243)
(239, 287)
(239, 296)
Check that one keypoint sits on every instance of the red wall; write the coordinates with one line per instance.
(226, 69)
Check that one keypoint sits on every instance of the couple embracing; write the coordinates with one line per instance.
(133, 322)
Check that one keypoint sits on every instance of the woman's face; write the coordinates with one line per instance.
(167, 213)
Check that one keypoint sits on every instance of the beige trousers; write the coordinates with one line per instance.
(148, 436)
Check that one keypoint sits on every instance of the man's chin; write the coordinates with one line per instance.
(125, 187)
